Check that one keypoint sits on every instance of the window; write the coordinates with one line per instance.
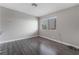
(49, 24)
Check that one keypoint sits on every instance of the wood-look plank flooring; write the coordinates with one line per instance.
(35, 46)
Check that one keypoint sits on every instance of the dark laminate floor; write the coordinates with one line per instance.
(35, 46)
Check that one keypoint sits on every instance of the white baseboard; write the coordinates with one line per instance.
(43, 37)
(16, 39)
(61, 42)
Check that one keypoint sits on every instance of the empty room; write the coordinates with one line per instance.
(39, 29)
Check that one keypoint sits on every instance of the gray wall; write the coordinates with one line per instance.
(16, 25)
(0, 21)
(67, 26)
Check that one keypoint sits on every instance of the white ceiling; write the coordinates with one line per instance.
(41, 10)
